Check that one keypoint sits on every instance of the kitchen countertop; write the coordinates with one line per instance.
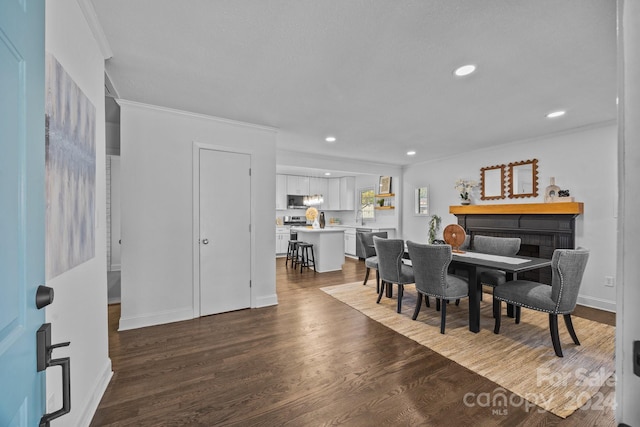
(337, 226)
(318, 230)
(368, 226)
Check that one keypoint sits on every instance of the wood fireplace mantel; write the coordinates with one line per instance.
(542, 227)
(566, 208)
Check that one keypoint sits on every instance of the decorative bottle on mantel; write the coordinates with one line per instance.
(322, 223)
(551, 192)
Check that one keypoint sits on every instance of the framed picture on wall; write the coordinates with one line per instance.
(385, 185)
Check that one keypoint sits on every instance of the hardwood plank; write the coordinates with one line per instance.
(311, 360)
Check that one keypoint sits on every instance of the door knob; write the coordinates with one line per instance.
(205, 241)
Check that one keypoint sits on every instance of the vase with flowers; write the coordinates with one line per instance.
(464, 188)
(312, 215)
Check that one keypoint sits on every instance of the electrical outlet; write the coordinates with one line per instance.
(609, 281)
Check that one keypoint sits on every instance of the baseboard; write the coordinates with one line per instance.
(266, 301)
(152, 319)
(599, 303)
(115, 267)
(92, 403)
(113, 300)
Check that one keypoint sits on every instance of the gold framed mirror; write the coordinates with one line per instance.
(492, 182)
(523, 179)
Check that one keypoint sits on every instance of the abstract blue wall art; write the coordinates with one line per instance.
(70, 120)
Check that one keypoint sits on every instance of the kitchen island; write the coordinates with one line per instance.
(328, 246)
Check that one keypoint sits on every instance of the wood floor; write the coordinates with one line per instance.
(309, 361)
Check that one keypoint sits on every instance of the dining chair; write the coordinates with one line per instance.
(567, 268)
(390, 266)
(504, 246)
(430, 265)
(365, 240)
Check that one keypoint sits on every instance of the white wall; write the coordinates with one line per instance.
(114, 214)
(79, 311)
(384, 218)
(583, 162)
(112, 138)
(157, 209)
(628, 316)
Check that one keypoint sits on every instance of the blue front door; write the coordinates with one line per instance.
(22, 203)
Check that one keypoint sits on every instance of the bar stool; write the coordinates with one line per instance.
(303, 256)
(292, 249)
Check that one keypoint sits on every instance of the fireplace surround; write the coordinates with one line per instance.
(542, 227)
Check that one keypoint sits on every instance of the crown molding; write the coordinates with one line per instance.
(96, 28)
(125, 102)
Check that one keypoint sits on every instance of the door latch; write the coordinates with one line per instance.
(44, 361)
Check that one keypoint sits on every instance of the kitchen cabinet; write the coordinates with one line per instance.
(298, 185)
(282, 241)
(338, 193)
(350, 241)
(347, 193)
(332, 200)
(318, 186)
(281, 192)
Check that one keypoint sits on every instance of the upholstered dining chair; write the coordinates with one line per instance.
(391, 268)
(567, 268)
(504, 246)
(365, 240)
(430, 264)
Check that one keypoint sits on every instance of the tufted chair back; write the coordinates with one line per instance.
(505, 246)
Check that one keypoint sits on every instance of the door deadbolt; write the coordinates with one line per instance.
(205, 241)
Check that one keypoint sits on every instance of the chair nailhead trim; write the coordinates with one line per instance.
(508, 301)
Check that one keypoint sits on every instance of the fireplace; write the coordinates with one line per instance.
(540, 232)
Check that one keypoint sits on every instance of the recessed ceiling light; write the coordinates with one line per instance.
(411, 153)
(330, 139)
(465, 70)
(327, 173)
(555, 114)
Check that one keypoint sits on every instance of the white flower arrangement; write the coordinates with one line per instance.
(465, 187)
(311, 214)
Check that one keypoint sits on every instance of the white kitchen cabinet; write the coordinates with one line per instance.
(297, 185)
(282, 241)
(281, 192)
(347, 193)
(318, 186)
(332, 199)
(350, 241)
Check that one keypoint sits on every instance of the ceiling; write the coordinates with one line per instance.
(376, 74)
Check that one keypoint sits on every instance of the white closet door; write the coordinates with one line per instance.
(225, 237)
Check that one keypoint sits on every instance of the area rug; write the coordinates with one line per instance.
(520, 359)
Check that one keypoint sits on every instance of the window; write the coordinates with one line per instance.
(367, 202)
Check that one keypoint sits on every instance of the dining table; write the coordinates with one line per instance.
(471, 260)
(511, 265)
